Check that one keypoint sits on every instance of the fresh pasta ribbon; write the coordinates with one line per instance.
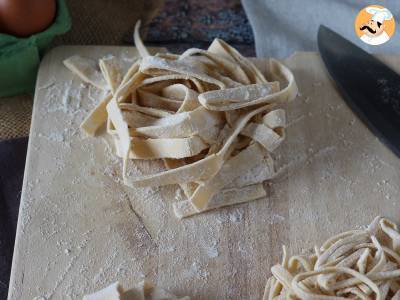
(210, 115)
(144, 290)
(358, 264)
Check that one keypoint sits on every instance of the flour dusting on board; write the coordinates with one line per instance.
(62, 97)
(212, 250)
(236, 215)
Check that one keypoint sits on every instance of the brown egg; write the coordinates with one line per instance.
(26, 17)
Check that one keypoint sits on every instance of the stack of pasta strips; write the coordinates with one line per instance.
(210, 115)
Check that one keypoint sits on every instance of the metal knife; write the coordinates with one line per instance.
(369, 87)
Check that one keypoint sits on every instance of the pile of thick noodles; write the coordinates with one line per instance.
(210, 115)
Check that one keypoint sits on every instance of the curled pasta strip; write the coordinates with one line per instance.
(210, 115)
(358, 264)
(144, 290)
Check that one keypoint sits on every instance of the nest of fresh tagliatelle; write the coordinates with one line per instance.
(210, 115)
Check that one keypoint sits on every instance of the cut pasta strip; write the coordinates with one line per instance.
(232, 168)
(121, 128)
(220, 47)
(166, 80)
(136, 119)
(275, 119)
(138, 41)
(289, 92)
(225, 197)
(163, 148)
(129, 87)
(144, 290)
(97, 117)
(111, 72)
(188, 188)
(87, 70)
(152, 100)
(268, 138)
(199, 121)
(153, 65)
(111, 292)
(238, 97)
(154, 112)
(188, 96)
(194, 172)
(263, 171)
(235, 72)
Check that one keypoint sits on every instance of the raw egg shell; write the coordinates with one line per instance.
(26, 17)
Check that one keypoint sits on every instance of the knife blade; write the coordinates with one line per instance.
(369, 87)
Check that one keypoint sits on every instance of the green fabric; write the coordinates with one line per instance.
(20, 57)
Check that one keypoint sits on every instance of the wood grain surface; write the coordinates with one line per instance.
(80, 229)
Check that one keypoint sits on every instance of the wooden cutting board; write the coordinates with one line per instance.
(80, 229)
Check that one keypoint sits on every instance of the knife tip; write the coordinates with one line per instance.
(324, 31)
(322, 28)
